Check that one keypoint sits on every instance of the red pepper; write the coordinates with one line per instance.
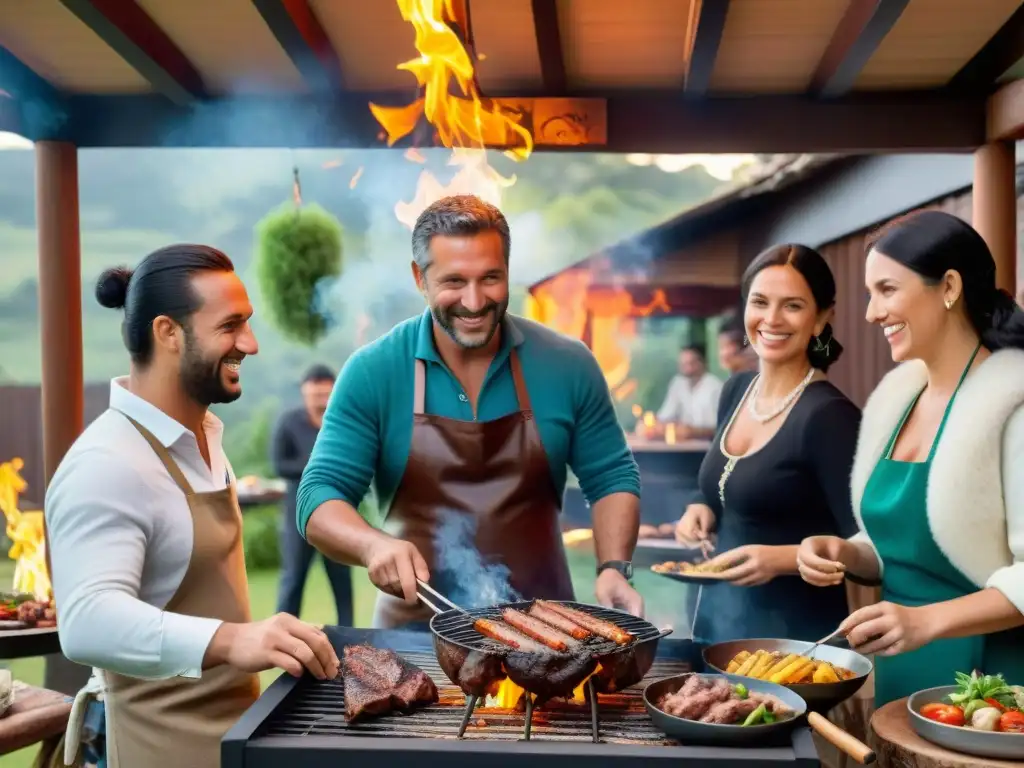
(1012, 721)
(947, 714)
(996, 704)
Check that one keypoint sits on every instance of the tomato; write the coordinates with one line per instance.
(947, 714)
(1012, 722)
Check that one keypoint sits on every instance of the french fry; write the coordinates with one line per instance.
(781, 665)
(805, 669)
(747, 665)
(825, 674)
(788, 671)
(738, 659)
(763, 665)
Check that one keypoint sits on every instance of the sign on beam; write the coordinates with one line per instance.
(554, 122)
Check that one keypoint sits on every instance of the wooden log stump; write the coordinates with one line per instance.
(898, 746)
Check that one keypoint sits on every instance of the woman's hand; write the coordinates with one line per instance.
(695, 526)
(887, 629)
(819, 560)
(754, 564)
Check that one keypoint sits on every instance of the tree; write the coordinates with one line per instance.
(298, 257)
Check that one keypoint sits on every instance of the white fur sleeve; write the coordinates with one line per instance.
(1010, 580)
(861, 537)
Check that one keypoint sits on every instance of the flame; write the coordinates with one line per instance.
(465, 122)
(648, 419)
(509, 694)
(604, 316)
(25, 530)
(355, 177)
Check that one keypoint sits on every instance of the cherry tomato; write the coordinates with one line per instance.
(1012, 722)
(943, 713)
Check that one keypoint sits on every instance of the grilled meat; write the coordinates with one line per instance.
(378, 681)
(549, 676)
(729, 712)
(558, 621)
(600, 627)
(695, 705)
(538, 630)
(504, 634)
(716, 702)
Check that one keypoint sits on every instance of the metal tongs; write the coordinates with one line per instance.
(437, 596)
(810, 652)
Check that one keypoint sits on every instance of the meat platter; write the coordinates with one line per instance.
(19, 610)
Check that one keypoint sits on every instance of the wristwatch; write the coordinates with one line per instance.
(622, 566)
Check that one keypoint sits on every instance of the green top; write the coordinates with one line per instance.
(367, 428)
(917, 572)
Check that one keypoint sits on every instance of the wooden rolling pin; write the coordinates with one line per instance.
(840, 739)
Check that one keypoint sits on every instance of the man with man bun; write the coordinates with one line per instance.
(145, 530)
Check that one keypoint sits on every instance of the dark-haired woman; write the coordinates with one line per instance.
(778, 469)
(938, 481)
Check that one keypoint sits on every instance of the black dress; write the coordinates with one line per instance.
(797, 485)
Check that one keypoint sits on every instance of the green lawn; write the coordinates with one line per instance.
(665, 600)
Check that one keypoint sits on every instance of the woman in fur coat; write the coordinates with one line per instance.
(938, 479)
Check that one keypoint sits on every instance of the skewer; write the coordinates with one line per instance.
(470, 706)
(592, 695)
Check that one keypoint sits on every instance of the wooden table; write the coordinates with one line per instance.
(36, 715)
(898, 746)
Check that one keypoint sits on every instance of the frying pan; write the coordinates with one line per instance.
(478, 664)
(689, 731)
(820, 697)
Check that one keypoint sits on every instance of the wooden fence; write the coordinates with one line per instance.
(21, 428)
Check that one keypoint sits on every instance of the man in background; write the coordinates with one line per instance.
(291, 446)
(691, 403)
(733, 355)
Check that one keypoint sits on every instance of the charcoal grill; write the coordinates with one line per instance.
(302, 722)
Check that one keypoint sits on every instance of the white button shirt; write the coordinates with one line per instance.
(120, 535)
(695, 405)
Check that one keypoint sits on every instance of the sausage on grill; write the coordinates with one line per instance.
(504, 634)
(558, 621)
(598, 626)
(538, 630)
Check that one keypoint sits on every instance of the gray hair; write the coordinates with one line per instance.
(455, 216)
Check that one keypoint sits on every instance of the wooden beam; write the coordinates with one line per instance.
(656, 122)
(549, 45)
(707, 22)
(128, 29)
(299, 32)
(861, 30)
(1004, 113)
(29, 104)
(1004, 50)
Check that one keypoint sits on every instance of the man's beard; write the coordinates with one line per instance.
(201, 378)
(445, 317)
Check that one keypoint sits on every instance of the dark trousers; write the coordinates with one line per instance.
(296, 557)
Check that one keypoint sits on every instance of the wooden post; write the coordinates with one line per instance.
(60, 320)
(995, 208)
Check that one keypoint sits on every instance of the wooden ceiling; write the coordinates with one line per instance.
(78, 69)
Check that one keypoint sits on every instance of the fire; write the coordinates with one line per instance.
(25, 530)
(355, 177)
(509, 694)
(463, 121)
(603, 316)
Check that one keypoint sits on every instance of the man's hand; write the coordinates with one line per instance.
(394, 565)
(281, 641)
(613, 591)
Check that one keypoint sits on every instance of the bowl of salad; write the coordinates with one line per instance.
(981, 715)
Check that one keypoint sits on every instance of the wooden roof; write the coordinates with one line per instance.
(674, 75)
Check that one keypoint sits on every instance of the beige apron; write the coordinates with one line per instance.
(179, 723)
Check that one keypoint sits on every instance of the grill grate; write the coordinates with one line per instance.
(457, 627)
(319, 709)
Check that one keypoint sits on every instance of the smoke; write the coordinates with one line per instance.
(460, 571)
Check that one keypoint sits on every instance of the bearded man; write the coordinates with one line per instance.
(469, 414)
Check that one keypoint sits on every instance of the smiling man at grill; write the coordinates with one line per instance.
(469, 411)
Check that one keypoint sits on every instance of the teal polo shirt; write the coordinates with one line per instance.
(367, 429)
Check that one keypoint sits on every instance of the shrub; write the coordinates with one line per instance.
(298, 256)
(260, 530)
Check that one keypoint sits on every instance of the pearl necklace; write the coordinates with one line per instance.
(787, 401)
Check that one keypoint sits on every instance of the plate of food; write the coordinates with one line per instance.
(689, 572)
(19, 610)
(823, 677)
(980, 715)
(721, 709)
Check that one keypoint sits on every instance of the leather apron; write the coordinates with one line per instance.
(179, 723)
(494, 472)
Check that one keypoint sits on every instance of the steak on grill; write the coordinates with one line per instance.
(379, 681)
